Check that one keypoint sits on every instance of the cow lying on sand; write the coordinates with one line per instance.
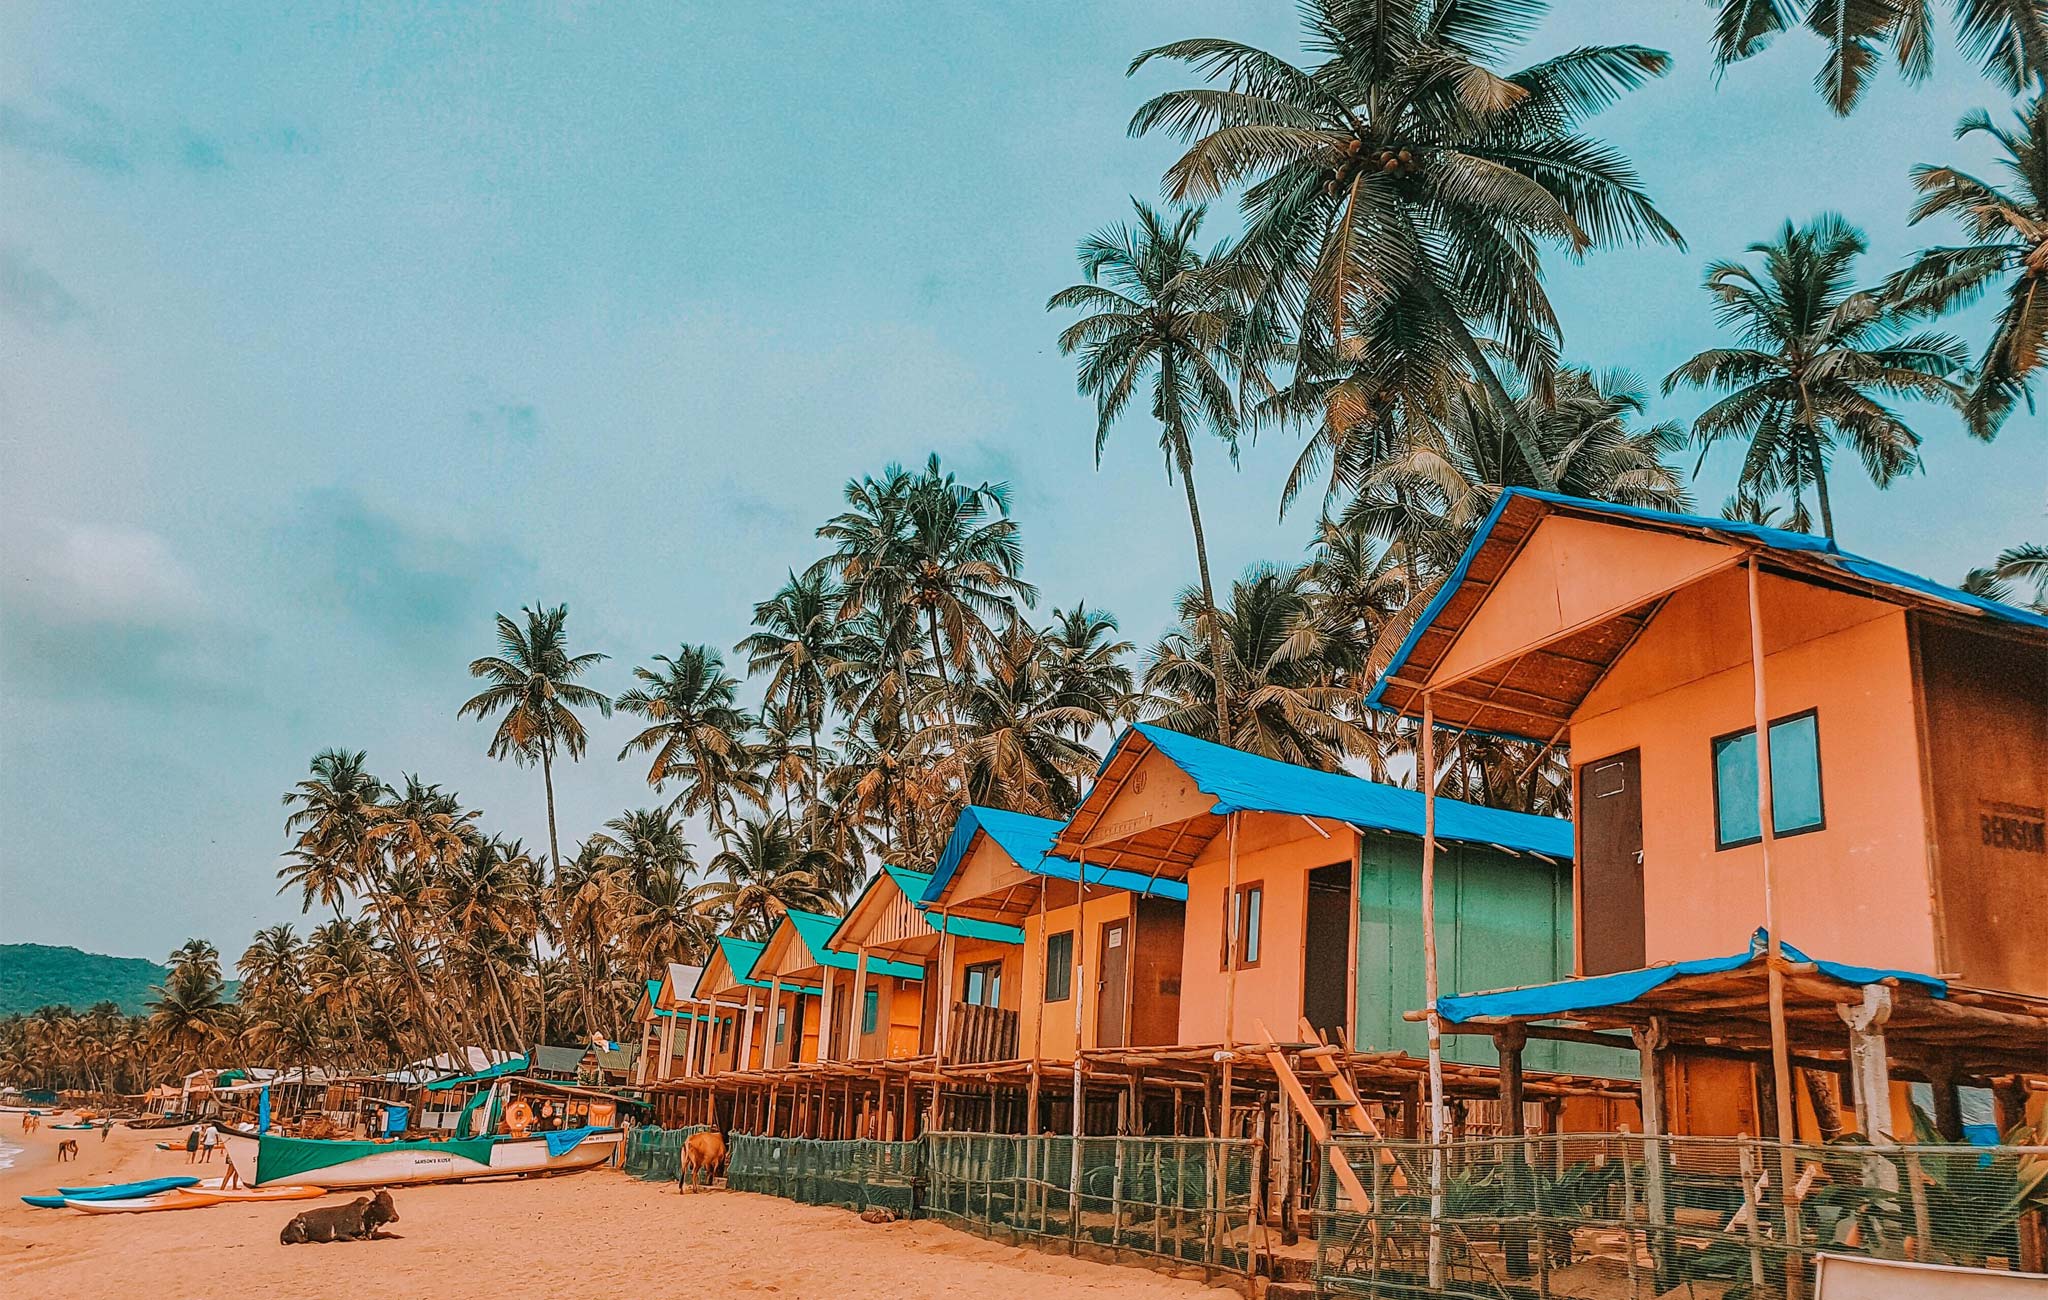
(359, 1220)
(702, 1152)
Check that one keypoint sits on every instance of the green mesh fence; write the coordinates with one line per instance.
(1590, 1217)
(655, 1154)
(856, 1175)
(1183, 1199)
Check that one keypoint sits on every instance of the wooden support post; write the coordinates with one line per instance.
(857, 1020)
(1650, 1044)
(745, 1055)
(769, 1052)
(825, 1013)
(1080, 992)
(1508, 1043)
(1426, 777)
(1781, 1051)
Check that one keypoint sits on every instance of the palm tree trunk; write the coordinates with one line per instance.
(547, 776)
(1187, 480)
(1820, 487)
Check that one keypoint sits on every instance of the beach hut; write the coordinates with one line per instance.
(1902, 783)
(799, 954)
(554, 1063)
(999, 867)
(728, 978)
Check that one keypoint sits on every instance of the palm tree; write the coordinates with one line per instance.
(1816, 354)
(964, 556)
(660, 920)
(696, 731)
(1012, 742)
(2007, 38)
(340, 966)
(1292, 698)
(2008, 233)
(488, 919)
(330, 819)
(642, 844)
(2008, 577)
(188, 1012)
(533, 683)
(795, 641)
(1161, 312)
(1397, 194)
(785, 752)
(762, 871)
(271, 962)
(1088, 665)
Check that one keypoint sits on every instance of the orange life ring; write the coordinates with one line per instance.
(519, 1116)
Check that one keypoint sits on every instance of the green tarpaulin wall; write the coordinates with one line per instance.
(280, 1159)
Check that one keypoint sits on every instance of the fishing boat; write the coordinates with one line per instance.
(349, 1165)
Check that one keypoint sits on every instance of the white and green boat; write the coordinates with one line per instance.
(348, 1165)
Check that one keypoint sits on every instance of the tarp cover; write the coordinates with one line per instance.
(563, 1142)
(1028, 842)
(1622, 987)
(516, 1065)
(281, 1159)
(1242, 782)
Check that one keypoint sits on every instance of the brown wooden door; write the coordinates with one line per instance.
(1112, 987)
(1610, 817)
(1326, 947)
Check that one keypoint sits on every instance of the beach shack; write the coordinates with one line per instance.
(999, 867)
(703, 1032)
(1325, 872)
(729, 978)
(967, 963)
(799, 955)
(554, 1063)
(1859, 898)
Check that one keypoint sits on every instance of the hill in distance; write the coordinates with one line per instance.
(36, 975)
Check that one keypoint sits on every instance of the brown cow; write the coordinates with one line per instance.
(701, 1151)
(359, 1220)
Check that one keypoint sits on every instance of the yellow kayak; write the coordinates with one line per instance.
(185, 1198)
(213, 1190)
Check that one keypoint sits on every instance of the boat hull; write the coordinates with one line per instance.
(183, 1198)
(403, 1166)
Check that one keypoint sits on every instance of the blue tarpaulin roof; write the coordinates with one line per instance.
(1773, 539)
(1590, 992)
(816, 930)
(1242, 782)
(1027, 840)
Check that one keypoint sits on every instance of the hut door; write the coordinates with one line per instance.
(1115, 981)
(1610, 912)
(1326, 947)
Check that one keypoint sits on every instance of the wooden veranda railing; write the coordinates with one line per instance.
(979, 1034)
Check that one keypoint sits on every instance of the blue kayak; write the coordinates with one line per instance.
(108, 1192)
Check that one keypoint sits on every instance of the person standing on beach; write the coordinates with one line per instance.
(207, 1144)
(192, 1145)
(106, 1127)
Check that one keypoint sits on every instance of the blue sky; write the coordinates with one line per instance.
(323, 335)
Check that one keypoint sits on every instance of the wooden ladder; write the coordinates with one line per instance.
(1311, 1114)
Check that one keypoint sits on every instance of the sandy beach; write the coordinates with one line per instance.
(591, 1233)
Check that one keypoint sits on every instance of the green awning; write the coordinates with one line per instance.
(517, 1065)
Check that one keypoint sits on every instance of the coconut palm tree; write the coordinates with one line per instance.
(1285, 673)
(533, 684)
(330, 819)
(2007, 229)
(964, 556)
(1088, 662)
(2007, 38)
(1011, 742)
(761, 872)
(1816, 354)
(188, 1013)
(785, 753)
(488, 920)
(1399, 192)
(795, 642)
(1161, 313)
(2009, 577)
(642, 844)
(696, 732)
(660, 920)
(272, 962)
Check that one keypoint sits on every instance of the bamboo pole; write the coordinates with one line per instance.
(1232, 937)
(1080, 992)
(860, 1010)
(1781, 1051)
(1426, 776)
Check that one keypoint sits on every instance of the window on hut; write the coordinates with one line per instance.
(984, 985)
(1059, 966)
(870, 1010)
(1795, 781)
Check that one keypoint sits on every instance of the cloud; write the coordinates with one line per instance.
(516, 421)
(79, 132)
(97, 610)
(409, 585)
(32, 295)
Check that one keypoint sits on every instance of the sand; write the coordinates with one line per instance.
(589, 1234)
